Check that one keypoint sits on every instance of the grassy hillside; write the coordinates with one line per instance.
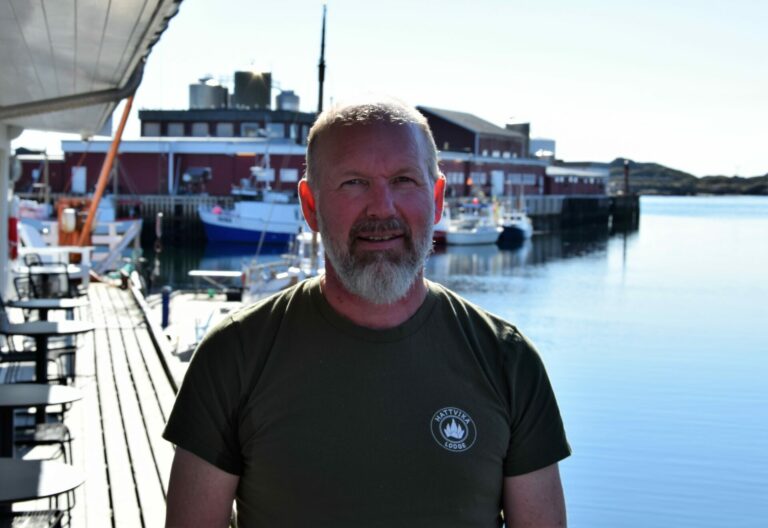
(652, 178)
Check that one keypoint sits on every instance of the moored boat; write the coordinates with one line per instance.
(472, 231)
(516, 229)
(267, 217)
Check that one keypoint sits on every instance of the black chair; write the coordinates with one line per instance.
(32, 259)
(23, 291)
(54, 284)
(46, 434)
(61, 352)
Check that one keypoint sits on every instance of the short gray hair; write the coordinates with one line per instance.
(387, 111)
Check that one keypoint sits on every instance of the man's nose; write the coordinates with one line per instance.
(381, 202)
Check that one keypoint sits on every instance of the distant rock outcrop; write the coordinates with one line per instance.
(652, 178)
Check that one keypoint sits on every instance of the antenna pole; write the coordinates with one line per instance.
(321, 66)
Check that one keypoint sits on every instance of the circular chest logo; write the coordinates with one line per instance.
(453, 429)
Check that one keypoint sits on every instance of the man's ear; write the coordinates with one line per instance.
(439, 197)
(307, 200)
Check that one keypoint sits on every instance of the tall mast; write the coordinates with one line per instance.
(321, 66)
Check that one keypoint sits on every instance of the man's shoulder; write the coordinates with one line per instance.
(467, 312)
(266, 312)
(278, 301)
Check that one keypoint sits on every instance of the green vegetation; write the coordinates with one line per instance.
(652, 178)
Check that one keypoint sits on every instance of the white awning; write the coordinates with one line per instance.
(65, 64)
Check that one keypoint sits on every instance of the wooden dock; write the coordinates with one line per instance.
(117, 426)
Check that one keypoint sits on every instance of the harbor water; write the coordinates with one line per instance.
(656, 342)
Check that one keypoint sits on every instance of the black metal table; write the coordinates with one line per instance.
(43, 306)
(22, 480)
(41, 331)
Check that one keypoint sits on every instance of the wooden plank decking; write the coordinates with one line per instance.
(117, 426)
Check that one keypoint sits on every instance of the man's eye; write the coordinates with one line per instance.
(404, 180)
(353, 182)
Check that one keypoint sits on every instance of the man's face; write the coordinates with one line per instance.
(375, 207)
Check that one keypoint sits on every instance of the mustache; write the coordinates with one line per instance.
(373, 226)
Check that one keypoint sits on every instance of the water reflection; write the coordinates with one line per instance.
(490, 260)
(451, 265)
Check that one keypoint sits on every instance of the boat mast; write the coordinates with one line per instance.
(321, 66)
(321, 79)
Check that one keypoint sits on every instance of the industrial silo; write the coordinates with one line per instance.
(287, 100)
(252, 90)
(207, 94)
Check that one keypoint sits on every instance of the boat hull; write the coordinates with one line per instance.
(223, 233)
(465, 238)
(252, 223)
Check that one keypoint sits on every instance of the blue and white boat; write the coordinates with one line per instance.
(265, 217)
(259, 216)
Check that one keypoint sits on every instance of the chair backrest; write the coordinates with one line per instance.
(53, 285)
(32, 259)
(23, 287)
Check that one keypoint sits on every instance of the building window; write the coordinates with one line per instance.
(496, 154)
(446, 145)
(485, 152)
(479, 178)
(150, 129)
(454, 178)
(275, 130)
(225, 129)
(289, 175)
(250, 130)
(176, 129)
(265, 175)
(505, 154)
(200, 129)
(293, 131)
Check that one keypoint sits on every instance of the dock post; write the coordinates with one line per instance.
(166, 296)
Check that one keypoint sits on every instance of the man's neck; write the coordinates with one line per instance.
(364, 313)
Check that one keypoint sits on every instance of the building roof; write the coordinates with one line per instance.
(227, 114)
(471, 122)
(580, 172)
(65, 65)
(190, 145)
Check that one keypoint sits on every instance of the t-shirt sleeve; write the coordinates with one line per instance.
(537, 435)
(204, 419)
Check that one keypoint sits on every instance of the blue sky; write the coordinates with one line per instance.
(683, 83)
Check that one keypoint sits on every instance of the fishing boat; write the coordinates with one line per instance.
(516, 229)
(516, 225)
(260, 215)
(473, 225)
(269, 218)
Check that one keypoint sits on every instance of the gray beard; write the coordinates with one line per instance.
(379, 277)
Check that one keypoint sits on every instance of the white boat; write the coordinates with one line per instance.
(441, 228)
(472, 230)
(303, 261)
(516, 229)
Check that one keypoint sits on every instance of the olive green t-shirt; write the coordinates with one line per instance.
(329, 424)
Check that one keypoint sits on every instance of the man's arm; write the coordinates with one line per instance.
(534, 500)
(199, 493)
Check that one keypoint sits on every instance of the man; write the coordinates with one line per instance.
(368, 396)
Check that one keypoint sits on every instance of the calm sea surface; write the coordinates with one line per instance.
(656, 342)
